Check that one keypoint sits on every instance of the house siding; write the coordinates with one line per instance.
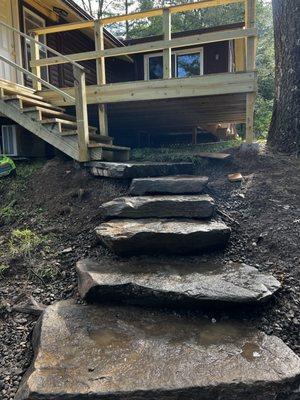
(215, 55)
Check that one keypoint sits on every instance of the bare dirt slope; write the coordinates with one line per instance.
(58, 208)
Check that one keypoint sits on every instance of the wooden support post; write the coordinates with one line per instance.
(167, 54)
(195, 135)
(250, 13)
(101, 76)
(81, 114)
(240, 55)
(35, 55)
(250, 102)
(99, 45)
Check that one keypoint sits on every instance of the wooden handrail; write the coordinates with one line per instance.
(158, 45)
(79, 84)
(135, 16)
(32, 40)
(173, 10)
(66, 96)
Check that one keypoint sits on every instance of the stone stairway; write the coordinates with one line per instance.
(53, 125)
(112, 349)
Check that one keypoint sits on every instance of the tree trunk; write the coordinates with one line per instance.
(284, 133)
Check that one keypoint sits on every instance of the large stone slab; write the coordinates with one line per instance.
(180, 184)
(201, 206)
(98, 352)
(173, 283)
(130, 170)
(162, 235)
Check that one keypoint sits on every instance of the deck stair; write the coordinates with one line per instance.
(54, 125)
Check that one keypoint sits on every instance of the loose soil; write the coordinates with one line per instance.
(61, 205)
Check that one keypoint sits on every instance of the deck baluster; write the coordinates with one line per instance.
(35, 56)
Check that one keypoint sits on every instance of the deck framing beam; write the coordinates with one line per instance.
(205, 85)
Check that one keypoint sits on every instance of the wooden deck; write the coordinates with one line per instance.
(206, 85)
(118, 102)
(154, 106)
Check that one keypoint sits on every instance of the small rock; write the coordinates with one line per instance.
(237, 177)
(67, 250)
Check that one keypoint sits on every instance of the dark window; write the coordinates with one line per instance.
(184, 65)
(188, 65)
(156, 70)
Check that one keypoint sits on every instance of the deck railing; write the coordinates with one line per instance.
(79, 85)
(244, 38)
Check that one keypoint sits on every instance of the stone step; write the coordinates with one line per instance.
(201, 206)
(178, 184)
(131, 170)
(100, 352)
(162, 236)
(174, 283)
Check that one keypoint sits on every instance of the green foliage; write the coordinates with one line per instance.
(184, 21)
(46, 273)
(263, 115)
(11, 191)
(177, 153)
(265, 62)
(8, 213)
(24, 242)
(17, 184)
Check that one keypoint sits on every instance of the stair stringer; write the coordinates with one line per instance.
(67, 145)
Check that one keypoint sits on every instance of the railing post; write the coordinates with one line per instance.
(35, 55)
(101, 75)
(250, 13)
(167, 54)
(250, 8)
(81, 114)
(250, 103)
(240, 55)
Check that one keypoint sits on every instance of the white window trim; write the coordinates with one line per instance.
(43, 21)
(14, 136)
(174, 52)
